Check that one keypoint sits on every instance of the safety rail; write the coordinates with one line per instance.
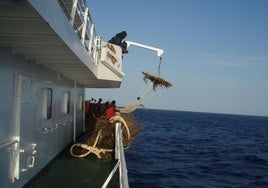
(8, 143)
(77, 12)
(121, 163)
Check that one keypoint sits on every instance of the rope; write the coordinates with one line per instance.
(147, 90)
(93, 149)
(130, 108)
(142, 89)
(136, 103)
(159, 65)
(149, 97)
(119, 118)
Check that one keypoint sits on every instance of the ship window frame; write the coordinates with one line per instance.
(47, 103)
(66, 102)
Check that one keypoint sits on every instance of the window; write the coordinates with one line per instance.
(80, 102)
(66, 102)
(47, 103)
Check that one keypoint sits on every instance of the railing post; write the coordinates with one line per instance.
(123, 166)
(8, 143)
(117, 141)
(119, 155)
(74, 7)
(75, 111)
(84, 26)
(15, 156)
(91, 38)
(84, 110)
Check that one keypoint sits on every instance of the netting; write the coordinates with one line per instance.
(130, 108)
(101, 140)
(156, 80)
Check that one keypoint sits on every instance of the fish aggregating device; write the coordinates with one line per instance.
(156, 80)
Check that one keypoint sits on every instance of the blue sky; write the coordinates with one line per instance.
(215, 53)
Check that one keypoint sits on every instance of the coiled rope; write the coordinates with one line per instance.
(93, 149)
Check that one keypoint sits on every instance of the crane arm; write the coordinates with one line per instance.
(158, 50)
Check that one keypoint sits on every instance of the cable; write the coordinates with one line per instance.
(159, 66)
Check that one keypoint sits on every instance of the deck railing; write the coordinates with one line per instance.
(8, 143)
(78, 14)
(121, 163)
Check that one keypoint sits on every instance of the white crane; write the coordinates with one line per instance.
(158, 50)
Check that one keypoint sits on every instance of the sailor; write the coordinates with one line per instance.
(118, 40)
(110, 110)
(99, 106)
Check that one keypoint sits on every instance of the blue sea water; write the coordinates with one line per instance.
(187, 149)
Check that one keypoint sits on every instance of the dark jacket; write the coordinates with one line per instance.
(118, 38)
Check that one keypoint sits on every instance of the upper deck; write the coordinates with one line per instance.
(60, 35)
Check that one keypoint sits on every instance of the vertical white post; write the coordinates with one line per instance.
(84, 26)
(75, 107)
(74, 7)
(117, 142)
(84, 110)
(119, 154)
(15, 157)
(91, 38)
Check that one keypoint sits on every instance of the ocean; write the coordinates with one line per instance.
(187, 149)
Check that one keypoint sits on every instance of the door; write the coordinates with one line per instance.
(25, 123)
(28, 121)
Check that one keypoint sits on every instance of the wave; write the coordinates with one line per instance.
(184, 149)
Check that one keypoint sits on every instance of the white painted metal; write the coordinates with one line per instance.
(90, 44)
(107, 181)
(8, 143)
(41, 50)
(32, 29)
(75, 108)
(158, 50)
(28, 140)
(84, 26)
(15, 157)
(120, 156)
(84, 111)
(74, 8)
(105, 59)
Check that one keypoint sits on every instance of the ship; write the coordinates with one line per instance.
(50, 53)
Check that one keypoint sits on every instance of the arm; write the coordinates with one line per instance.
(158, 50)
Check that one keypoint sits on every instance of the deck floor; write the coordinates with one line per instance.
(67, 171)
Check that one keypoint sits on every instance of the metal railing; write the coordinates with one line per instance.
(121, 163)
(77, 12)
(8, 143)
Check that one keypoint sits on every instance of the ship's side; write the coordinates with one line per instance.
(49, 53)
